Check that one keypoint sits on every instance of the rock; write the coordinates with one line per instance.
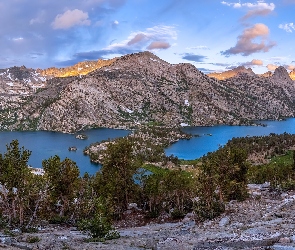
(132, 206)
(224, 221)
(285, 240)
(282, 247)
(265, 185)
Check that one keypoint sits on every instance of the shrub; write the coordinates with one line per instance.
(99, 227)
(33, 239)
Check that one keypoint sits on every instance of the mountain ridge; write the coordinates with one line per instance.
(141, 88)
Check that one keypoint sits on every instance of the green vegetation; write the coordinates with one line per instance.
(93, 202)
(279, 172)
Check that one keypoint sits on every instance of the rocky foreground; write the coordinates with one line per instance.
(264, 221)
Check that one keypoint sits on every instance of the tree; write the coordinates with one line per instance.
(119, 167)
(14, 176)
(63, 180)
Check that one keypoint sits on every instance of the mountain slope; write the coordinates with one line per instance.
(142, 88)
(81, 68)
(231, 73)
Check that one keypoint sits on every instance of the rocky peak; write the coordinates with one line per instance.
(231, 73)
(281, 74)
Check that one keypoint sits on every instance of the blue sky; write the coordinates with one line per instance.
(213, 35)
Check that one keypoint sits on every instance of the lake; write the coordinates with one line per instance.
(44, 144)
(211, 138)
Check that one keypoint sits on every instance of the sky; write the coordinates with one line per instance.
(213, 35)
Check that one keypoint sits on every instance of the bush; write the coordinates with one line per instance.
(33, 239)
(177, 214)
(204, 211)
(99, 227)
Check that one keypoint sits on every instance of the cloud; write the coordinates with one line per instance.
(257, 62)
(156, 37)
(137, 39)
(199, 47)
(272, 67)
(193, 57)
(253, 13)
(254, 9)
(115, 24)
(246, 45)
(254, 62)
(17, 39)
(71, 18)
(39, 19)
(158, 45)
(206, 71)
(289, 67)
(288, 27)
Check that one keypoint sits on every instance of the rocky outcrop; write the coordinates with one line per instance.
(231, 73)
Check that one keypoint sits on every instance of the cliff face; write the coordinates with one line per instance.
(142, 88)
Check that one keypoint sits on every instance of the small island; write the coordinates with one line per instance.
(81, 137)
(73, 148)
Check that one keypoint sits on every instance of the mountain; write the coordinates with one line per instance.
(231, 73)
(81, 68)
(20, 80)
(241, 69)
(142, 88)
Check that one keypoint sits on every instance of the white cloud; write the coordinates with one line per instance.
(260, 8)
(288, 27)
(258, 5)
(199, 47)
(70, 18)
(17, 39)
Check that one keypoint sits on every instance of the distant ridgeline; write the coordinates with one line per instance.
(139, 89)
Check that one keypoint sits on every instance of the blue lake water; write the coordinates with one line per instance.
(212, 137)
(44, 144)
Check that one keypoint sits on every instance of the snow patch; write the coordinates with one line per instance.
(183, 124)
(9, 76)
(10, 84)
(186, 102)
(129, 110)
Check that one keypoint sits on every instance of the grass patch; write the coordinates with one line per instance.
(155, 169)
(190, 162)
